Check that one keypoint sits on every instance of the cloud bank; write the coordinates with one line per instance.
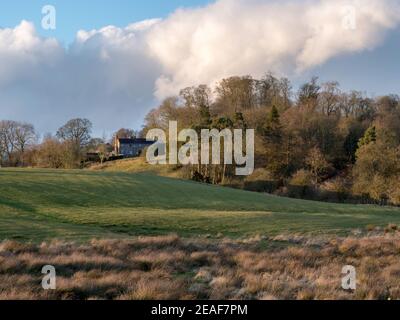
(115, 75)
(248, 37)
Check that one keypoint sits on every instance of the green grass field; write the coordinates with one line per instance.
(38, 205)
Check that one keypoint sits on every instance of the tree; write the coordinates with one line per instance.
(93, 144)
(75, 135)
(387, 119)
(239, 121)
(273, 127)
(196, 97)
(102, 150)
(125, 133)
(377, 171)
(15, 138)
(25, 136)
(309, 93)
(7, 139)
(369, 137)
(329, 98)
(317, 135)
(220, 171)
(272, 91)
(76, 131)
(317, 164)
(353, 132)
(236, 94)
(272, 135)
(50, 153)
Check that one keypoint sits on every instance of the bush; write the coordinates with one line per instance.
(336, 189)
(261, 181)
(302, 178)
(300, 185)
(394, 193)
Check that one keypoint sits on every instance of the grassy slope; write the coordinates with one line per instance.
(138, 165)
(43, 204)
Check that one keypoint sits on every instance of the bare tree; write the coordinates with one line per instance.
(7, 137)
(76, 131)
(236, 94)
(15, 137)
(25, 136)
(125, 133)
(196, 97)
(75, 134)
(329, 98)
(308, 93)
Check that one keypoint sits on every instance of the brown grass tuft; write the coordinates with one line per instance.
(167, 267)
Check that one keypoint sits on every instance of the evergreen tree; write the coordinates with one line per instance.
(274, 117)
(239, 121)
(205, 117)
(369, 137)
(273, 139)
(273, 128)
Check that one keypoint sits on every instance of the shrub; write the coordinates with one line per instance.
(300, 185)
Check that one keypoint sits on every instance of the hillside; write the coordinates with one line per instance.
(44, 204)
(137, 165)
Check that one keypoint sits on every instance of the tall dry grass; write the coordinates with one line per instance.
(285, 267)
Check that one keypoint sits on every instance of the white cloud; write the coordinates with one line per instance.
(105, 75)
(113, 75)
(22, 53)
(235, 37)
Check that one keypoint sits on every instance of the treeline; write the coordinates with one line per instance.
(67, 149)
(318, 143)
(15, 140)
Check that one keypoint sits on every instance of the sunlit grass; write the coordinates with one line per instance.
(77, 204)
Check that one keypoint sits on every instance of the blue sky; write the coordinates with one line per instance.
(73, 15)
(115, 77)
(375, 72)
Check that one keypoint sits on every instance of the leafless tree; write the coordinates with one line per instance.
(25, 136)
(76, 131)
(15, 137)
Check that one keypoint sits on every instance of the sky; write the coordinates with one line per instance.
(74, 15)
(113, 61)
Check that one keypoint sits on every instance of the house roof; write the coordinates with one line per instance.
(134, 141)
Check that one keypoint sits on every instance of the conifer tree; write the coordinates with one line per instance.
(369, 137)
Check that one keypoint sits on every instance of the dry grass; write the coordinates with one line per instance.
(172, 268)
(137, 165)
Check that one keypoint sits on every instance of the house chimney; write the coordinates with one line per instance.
(116, 149)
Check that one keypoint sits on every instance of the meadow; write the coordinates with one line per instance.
(170, 267)
(78, 205)
(115, 234)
